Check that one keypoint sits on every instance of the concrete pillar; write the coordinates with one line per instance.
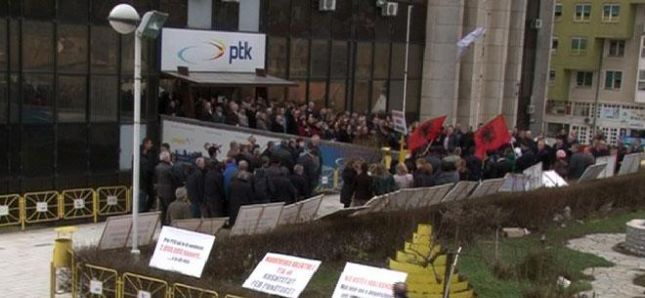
(200, 14)
(514, 61)
(542, 62)
(440, 66)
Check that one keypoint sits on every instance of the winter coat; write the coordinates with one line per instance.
(383, 184)
(241, 194)
(579, 163)
(447, 178)
(178, 209)
(195, 186)
(346, 192)
(363, 187)
(423, 179)
(165, 181)
(300, 185)
(214, 193)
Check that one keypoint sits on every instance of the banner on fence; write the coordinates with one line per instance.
(182, 251)
(282, 275)
(365, 281)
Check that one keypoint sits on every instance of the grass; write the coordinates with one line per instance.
(477, 261)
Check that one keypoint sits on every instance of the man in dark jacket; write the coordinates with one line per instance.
(214, 190)
(241, 194)
(363, 191)
(195, 187)
(165, 183)
(579, 162)
(299, 182)
(448, 174)
(279, 185)
(261, 183)
(311, 165)
(347, 191)
(146, 176)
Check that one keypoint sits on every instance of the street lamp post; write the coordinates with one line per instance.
(124, 19)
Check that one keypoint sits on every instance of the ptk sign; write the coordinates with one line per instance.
(212, 51)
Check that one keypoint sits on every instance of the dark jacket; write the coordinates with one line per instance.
(261, 186)
(525, 161)
(280, 188)
(300, 185)
(214, 192)
(311, 165)
(178, 209)
(546, 157)
(346, 192)
(423, 179)
(383, 184)
(195, 186)
(447, 178)
(165, 181)
(561, 167)
(579, 163)
(363, 187)
(147, 172)
(241, 194)
(474, 165)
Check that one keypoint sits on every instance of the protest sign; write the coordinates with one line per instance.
(592, 172)
(116, 233)
(365, 281)
(256, 219)
(282, 275)
(487, 187)
(182, 251)
(201, 225)
(398, 118)
(630, 164)
(534, 176)
(611, 165)
(551, 179)
(461, 191)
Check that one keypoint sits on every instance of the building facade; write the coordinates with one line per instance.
(597, 75)
(503, 73)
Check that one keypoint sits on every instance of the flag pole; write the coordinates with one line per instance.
(405, 79)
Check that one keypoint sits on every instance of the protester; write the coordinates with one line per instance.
(448, 174)
(423, 176)
(299, 182)
(195, 187)
(146, 176)
(165, 183)
(579, 162)
(349, 178)
(363, 191)
(214, 190)
(382, 180)
(179, 208)
(403, 178)
(560, 166)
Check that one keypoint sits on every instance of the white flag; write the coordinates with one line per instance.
(465, 42)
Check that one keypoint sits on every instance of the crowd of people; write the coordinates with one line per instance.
(207, 187)
(452, 158)
(304, 120)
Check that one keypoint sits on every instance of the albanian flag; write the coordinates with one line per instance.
(491, 136)
(426, 132)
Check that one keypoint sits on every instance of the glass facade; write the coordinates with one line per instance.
(66, 76)
(354, 52)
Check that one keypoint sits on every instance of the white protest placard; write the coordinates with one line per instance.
(41, 206)
(551, 179)
(366, 282)
(182, 251)
(144, 294)
(148, 224)
(461, 191)
(631, 163)
(112, 200)
(256, 219)
(534, 176)
(398, 118)
(592, 172)
(611, 165)
(96, 287)
(116, 233)
(282, 275)
(201, 225)
(79, 203)
(4, 210)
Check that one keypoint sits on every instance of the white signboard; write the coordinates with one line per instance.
(182, 251)
(116, 233)
(189, 139)
(203, 50)
(461, 191)
(592, 172)
(534, 176)
(551, 179)
(112, 200)
(398, 118)
(41, 206)
(144, 294)
(630, 164)
(79, 203)
(255, 219)
(4, 210)
(611, 165)
(96, 287)
(364, 281)
(282, 275)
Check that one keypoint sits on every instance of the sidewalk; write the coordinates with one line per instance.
(26, 256)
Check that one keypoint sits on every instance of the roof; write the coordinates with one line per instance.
(230, 79)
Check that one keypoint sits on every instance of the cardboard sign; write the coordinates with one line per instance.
(112, 200)
(488, 187)
(79, 203)
(116, 233)
(534, 176)
(201, 225)
(255, 219)
(551, 179)
(289, 214)
(631, 163)
(461, 191)
(282, 275)
(611, 165)
(434, 195)
(182, 251)
(592, 172)
(41, 206)
(4, 210)
(365, 281)
(96, 287)
(398, 119)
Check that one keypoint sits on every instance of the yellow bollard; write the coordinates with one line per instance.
(61, 259)
(387, 157)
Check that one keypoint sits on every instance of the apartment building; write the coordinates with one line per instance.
(597, 74)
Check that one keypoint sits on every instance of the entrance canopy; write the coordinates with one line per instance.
(230, 79)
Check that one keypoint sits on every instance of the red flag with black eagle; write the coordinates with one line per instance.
(426, 132)
(491, 136)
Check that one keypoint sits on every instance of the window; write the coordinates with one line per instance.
(37, 98)
(363, 59)
(361, 96)
(381, 60)
(37, 45)
(616, 48)
(584, 79)
(103, 98)
(641, 80)
(104, 148)
(578, 45)
(610, 12)
(551, 76)
(338, 59)
(318, 93)
(72, 48)
(72, 149)
(103, 54)
(71, 98)
(613, 80)
(583, 13)
(337, 96)
(554, 44)
(319, 58)
(557, 13)
(277, 56)
(299, 58)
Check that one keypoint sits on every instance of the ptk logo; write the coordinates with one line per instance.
(241, 51)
